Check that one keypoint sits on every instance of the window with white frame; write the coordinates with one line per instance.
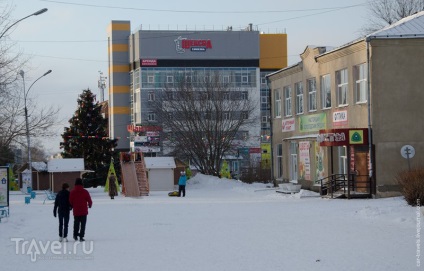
(325, 91)
(137, 79)
(277, 103)
(312, 94)
(226, 95)
(151, 96)
(227, 115)
(150, 79)
(342, 87)
(244, 79)
(360, 74)
(244, 95)
(151, 116)
(299, 97)
(226, 79)
(170, 79)
(287, 101)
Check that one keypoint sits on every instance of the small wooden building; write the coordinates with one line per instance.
(160, 171)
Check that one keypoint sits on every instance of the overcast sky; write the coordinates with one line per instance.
(71, 38)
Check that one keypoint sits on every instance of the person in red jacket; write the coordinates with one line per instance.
(80, 201)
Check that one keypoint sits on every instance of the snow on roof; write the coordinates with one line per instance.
(66, 165)
(408, 27)
(39, 166)
(159, 162)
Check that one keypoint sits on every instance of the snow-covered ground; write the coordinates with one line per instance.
(220, 225)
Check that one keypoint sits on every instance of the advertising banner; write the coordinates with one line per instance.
(339, 118)
(312, 123)
(305, 162)
(319, 161)
(4, 186)
(288, 125)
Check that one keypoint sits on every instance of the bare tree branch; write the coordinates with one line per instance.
(387, 12)
(204, 121)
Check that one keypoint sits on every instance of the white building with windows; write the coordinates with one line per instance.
(145, 62)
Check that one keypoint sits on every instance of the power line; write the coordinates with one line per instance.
(196, 11)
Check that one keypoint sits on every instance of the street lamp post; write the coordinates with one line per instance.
(22, 73)
(41, 11)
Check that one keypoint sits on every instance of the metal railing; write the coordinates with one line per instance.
(348, 183)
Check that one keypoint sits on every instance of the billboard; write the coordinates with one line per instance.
(155, 45)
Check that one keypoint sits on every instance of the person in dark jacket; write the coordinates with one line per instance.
(80, 201)
(182, 184)
(113, 191)
(62, 207)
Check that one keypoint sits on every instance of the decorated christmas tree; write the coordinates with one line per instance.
(87, 138)
(111, 170)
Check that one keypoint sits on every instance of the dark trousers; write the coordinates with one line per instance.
(181, 188)
(63, 225)
(79, 225)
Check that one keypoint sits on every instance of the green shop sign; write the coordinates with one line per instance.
(312, 123)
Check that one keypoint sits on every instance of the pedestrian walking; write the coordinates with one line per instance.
(113, 190)
(80, 201)
(62, 207)
(182, 184)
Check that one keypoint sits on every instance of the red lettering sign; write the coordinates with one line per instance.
(137, 129)
(149, 62)
(187, 44)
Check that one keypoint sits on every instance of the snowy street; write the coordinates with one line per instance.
(220, 225)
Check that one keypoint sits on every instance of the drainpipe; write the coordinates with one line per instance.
(274, 180)
(367, 40)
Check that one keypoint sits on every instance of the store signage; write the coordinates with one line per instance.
(4, 186)
(149, 62)
(183, 44)
(136, 129)
(147, 149)
(340, 118)
(288, 125)
(312, 123)
(343, 137)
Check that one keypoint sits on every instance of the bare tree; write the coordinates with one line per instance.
(12, 120)
(203, 122)
(387, 12)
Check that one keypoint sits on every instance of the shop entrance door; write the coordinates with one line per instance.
(361, 170)
(293, 168)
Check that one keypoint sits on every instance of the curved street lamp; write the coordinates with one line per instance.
(41, 11)
(22, 73)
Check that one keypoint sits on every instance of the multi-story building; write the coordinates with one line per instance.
(355, 110)
(142, 62)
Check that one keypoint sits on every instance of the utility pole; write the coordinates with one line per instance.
(102, 86)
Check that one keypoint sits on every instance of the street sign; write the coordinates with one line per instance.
(407, 151)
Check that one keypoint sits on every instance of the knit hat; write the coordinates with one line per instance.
(78, 181)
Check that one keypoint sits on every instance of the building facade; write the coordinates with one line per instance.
(143, 62)
(354, 110)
